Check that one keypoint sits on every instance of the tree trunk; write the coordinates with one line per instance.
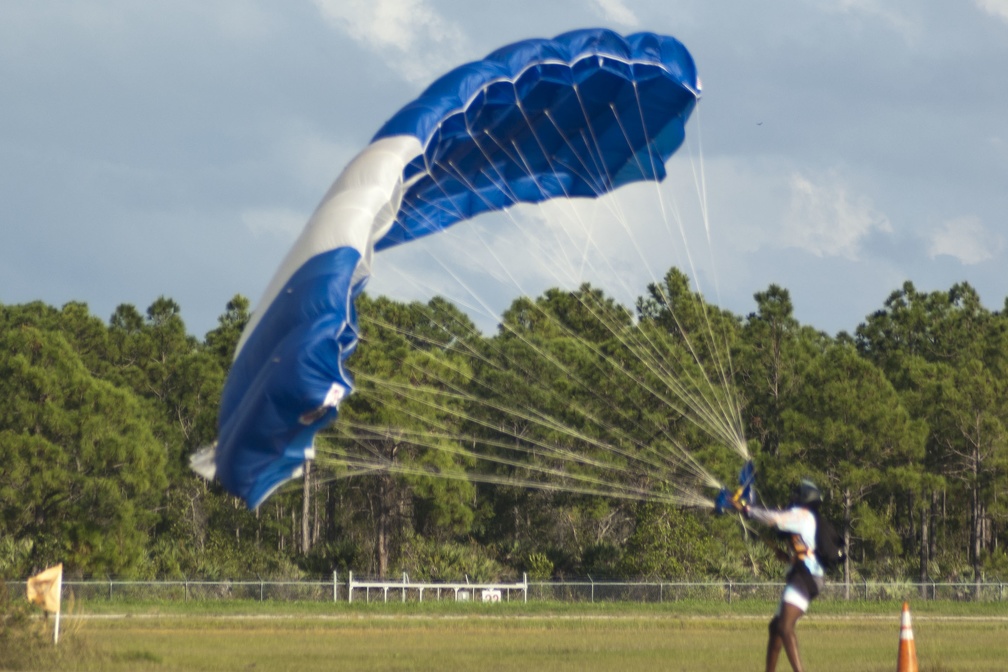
(383, 527)
(316, 525)
(925, 545)
(306, 538)
(847, 506)
(933, 530)
(976, 535)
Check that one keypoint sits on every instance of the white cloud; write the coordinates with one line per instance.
(998, 8)
(410, 35)
(616, 11)
(909, 27)
(827, 221)
(965, 239)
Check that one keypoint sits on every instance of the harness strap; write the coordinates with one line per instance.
(801, 551)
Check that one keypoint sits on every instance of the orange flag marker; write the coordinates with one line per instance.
(45, 589)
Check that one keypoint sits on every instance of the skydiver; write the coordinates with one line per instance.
(804, 579)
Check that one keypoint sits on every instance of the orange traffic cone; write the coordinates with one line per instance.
(906, 661)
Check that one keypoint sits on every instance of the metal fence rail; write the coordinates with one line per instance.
(409, 591)
(585, 590)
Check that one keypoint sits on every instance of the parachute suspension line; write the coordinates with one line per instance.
(656, 368)
(652, 364)
(427, 438)
(688, 459)
(599, 186)
(530, 446)
(518, 158)
(685, 499)
(587, 174)
(612, 203)
(730, 409)
(731, 437)
(686, 496)
(458, 214)
(467, 351)
(409, 392)
(463, 438)
(501, 184)
(659, 285)
(430, 387)
(681, 391)
(542, 420)
(499, 180)
(701, 182)
(683, 454)
(711, 419)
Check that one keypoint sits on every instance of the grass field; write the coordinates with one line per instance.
(837, 636)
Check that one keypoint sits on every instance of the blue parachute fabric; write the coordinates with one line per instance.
(286, 368)
(747, 483)
(575, 116)
(723, 502)
(745, 494)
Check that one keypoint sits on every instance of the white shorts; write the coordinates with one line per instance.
(793, 596)
(800, 590)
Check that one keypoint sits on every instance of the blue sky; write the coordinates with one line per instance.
(176, 149)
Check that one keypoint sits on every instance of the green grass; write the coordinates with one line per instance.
(838, 636)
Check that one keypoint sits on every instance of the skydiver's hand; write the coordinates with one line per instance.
(741, 506)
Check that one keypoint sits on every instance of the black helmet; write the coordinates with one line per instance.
(807, 494)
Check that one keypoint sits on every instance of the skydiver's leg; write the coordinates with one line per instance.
(793, 605)
(773, 646)
(786, 631)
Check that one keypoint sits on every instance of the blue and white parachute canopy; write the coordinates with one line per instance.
(575, 116)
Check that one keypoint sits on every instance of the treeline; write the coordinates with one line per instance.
(902, 424)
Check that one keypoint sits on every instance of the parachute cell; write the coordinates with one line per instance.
(575, 116)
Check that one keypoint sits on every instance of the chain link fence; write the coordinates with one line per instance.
(205, 591)
(730, 591)
(585, 590)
